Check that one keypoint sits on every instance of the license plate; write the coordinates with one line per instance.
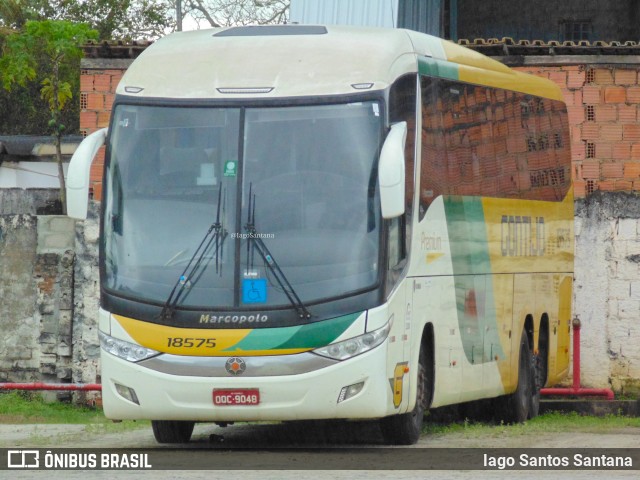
(246, 396)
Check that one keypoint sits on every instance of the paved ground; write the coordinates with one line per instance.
(305, 435)
(236, 439)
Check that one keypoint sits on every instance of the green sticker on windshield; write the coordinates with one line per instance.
(230, 168)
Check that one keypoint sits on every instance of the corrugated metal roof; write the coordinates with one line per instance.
(421, 15)
(372, 13)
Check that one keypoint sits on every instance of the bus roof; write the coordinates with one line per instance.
(298, 60)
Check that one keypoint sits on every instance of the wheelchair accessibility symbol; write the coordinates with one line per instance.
(254, 290)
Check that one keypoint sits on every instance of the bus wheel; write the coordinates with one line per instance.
(405, 429)
(518, 402)
(539, 373)
(172, 431)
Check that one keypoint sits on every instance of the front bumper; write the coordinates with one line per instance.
(302, 396)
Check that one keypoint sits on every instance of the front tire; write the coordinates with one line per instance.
(172, 431)
(405, 429)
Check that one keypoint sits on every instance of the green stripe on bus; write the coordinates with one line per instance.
(312, 335)
(473, 283)
(438, 68)
(468, 235)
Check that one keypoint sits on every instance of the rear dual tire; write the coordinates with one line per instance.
(540, 368)
(524, 403)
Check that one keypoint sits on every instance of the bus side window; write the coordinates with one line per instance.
(397, 253)
(481, 141)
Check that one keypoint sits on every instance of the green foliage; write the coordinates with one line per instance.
(16, 67)
(49, 50)
(45, 54)
(124, 19)
(112, 19)
(46, 49)
(24, 112)
(26, 96)
(15, 13)
(59, 98)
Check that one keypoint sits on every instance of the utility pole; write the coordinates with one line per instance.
(179, 15)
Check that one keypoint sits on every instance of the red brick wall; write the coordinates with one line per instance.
(97, 92)
(602, 102)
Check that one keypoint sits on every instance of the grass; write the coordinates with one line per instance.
(29, 407)
(553, 422)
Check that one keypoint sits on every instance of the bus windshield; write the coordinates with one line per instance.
(300, 180)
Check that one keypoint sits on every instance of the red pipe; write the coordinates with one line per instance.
(576, 389)
(52, 386)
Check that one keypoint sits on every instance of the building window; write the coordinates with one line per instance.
(575, 30)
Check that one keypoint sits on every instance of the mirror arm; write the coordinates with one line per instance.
(78, 174)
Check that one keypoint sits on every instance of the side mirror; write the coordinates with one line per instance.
(78, 174)
(391, 172)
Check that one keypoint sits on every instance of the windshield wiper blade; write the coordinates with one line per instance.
(255, 239)
(215, 233)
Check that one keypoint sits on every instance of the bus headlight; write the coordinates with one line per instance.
(356, 345)
(125, 350)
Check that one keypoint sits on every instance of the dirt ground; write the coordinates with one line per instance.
(241, 438)
(301, 435)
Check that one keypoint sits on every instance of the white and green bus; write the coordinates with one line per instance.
(309, 222)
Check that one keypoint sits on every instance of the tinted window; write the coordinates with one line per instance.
(489, 142)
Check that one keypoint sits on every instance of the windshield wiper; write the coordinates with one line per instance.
(255, 239)
(216, 233)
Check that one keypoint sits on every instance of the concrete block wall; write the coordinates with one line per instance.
(36, 288)
(47, 267)
(607, 290)
(19, 347)
(86, 302)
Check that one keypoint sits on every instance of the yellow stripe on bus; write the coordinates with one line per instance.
(477, 69)
(194, 341)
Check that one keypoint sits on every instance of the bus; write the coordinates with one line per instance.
(318, 222)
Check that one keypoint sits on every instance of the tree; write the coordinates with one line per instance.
(122, 19)
(48, 51)
(15, 13)
(113, 19)
(225, 13)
